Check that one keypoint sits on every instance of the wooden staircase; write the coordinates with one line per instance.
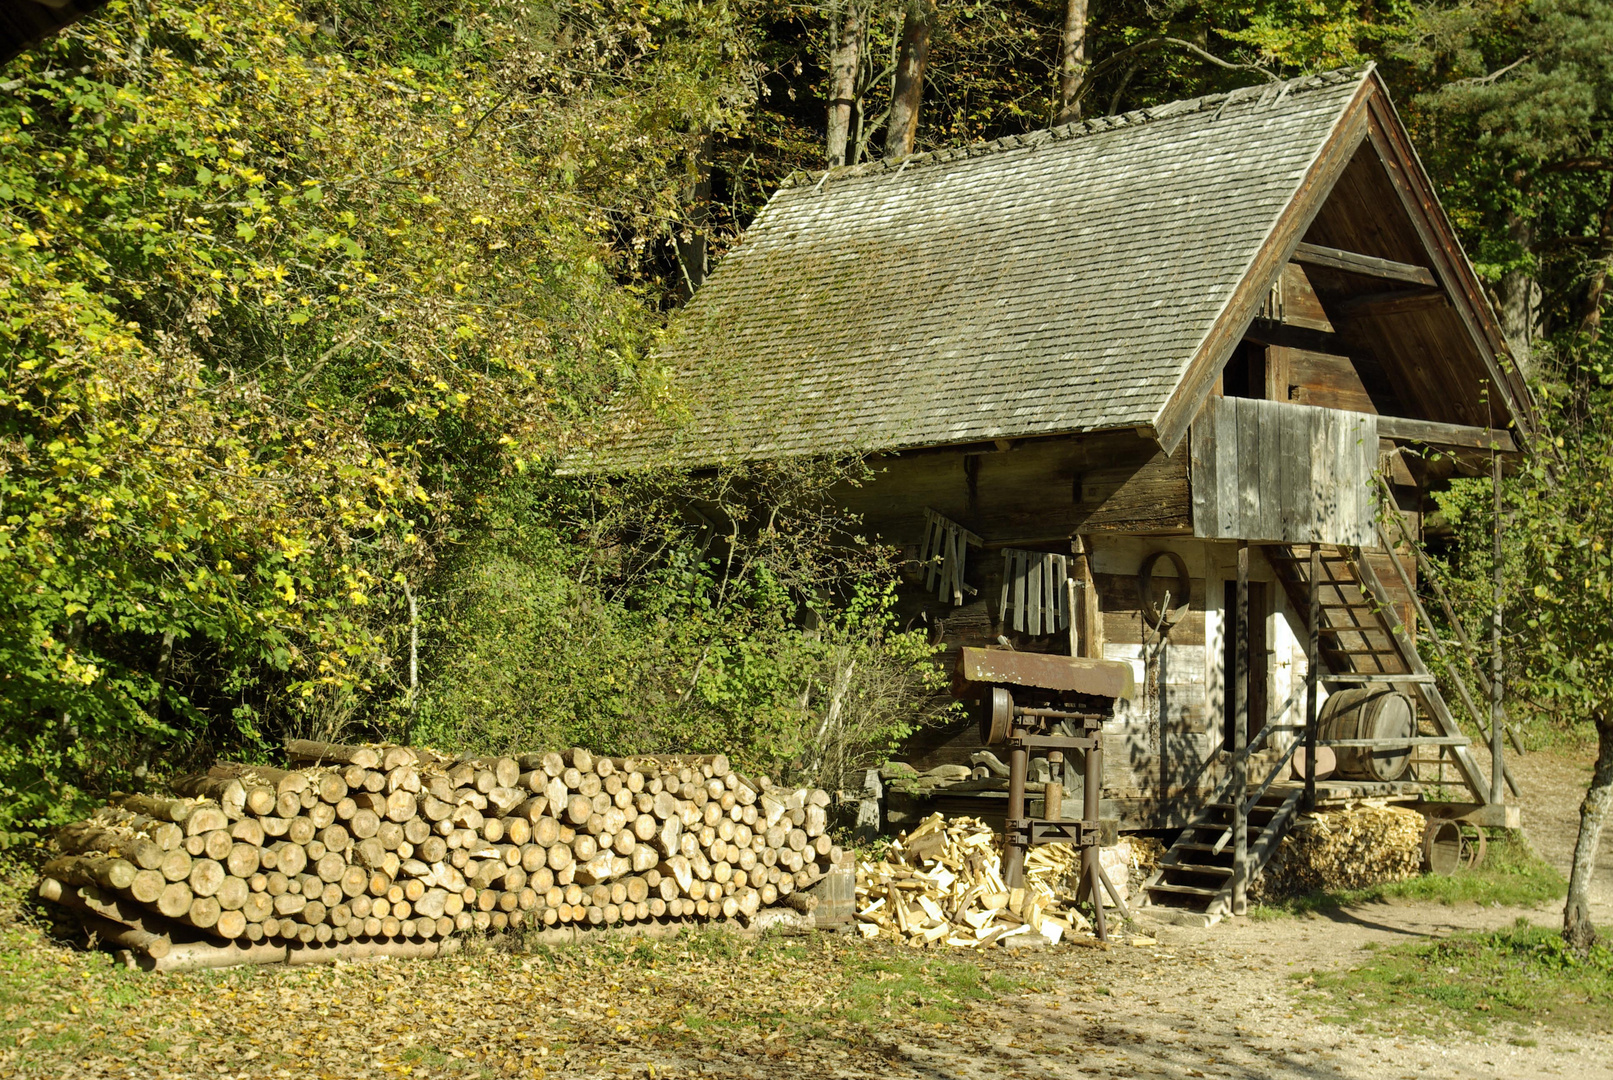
(1360, 639)
(1193, 883)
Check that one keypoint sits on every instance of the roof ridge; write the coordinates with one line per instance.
(1276, 91)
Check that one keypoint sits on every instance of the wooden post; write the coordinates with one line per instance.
(1240, 740)
(1313, 661)
(1090, 805)
(1497, 714)
(1088, 641)
(1074, 619)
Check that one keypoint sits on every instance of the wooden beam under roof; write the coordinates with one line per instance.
(1349, 262)
(1284, 336)
(1403, 429)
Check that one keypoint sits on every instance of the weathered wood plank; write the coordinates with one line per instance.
(1325, 513)
(1249, 468)
(1202, 471)
(1294, 466)
(1228, 507)
(1350, 262)
(1403, 429)
(1270, 470)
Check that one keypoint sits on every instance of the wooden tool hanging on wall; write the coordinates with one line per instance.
(945, 544)
(1033, 600)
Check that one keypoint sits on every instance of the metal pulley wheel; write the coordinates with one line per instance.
(996, 713)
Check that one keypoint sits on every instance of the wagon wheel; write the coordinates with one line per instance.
(1474, 847)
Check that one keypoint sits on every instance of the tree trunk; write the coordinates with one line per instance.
(1590, 319)
(690, 238)
(908, 92)
(1577, 928)
(1518, 296)
(1072, 61)
(845, 55)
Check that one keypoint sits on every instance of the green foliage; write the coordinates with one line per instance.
(1512, 105)
(278, 302)
(572, 622)
(1467, 982)
(1558, 574)
(1511, 875)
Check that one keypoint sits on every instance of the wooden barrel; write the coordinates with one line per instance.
(1369, 712)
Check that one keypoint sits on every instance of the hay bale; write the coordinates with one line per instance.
(1355, 846)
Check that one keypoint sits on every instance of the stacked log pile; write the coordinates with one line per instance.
(1355, 846)
(942, 882)
(397, 844)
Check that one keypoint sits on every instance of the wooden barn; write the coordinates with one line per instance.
(1182, 357)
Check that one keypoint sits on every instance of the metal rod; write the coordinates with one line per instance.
(1014, 849)
(1093, 785)
(1058, 714)
(1313, 660)
(1240, 740)
(1053, 790)
(1497, 716)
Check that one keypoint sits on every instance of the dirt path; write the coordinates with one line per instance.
(1223, 1002)
(1553, 785)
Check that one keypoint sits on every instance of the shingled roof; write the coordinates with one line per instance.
(1056, 282)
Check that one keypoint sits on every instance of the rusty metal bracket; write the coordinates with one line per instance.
(1033, 831)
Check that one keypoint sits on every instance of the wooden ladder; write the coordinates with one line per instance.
(1363, 641)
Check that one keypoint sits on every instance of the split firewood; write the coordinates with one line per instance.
(943, 882)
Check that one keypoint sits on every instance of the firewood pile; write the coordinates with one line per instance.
(1363, 843)
(942, 882)
(401, 848)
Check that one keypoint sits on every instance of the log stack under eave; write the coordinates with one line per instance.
(398, 844)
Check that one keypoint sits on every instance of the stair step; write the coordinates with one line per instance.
(1183, 890)
(1196, 868)
(1357, 678)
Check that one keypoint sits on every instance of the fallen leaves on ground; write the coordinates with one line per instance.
(706, 1002)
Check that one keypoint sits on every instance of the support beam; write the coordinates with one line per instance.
(1313, 660)
(1432, 433)
(1240, 740)
(1371, 266)
(1497, 713)
(1283, 336)
(1394, 302)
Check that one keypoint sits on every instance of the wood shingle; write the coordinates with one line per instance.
(1043, 284)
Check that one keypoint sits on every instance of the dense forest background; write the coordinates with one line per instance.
(302, 302)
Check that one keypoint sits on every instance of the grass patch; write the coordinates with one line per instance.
(1523, 975)
(1512, 875)
(920, 986)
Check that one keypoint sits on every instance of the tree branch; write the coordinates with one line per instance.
(1486, 80)
(1149, 44)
